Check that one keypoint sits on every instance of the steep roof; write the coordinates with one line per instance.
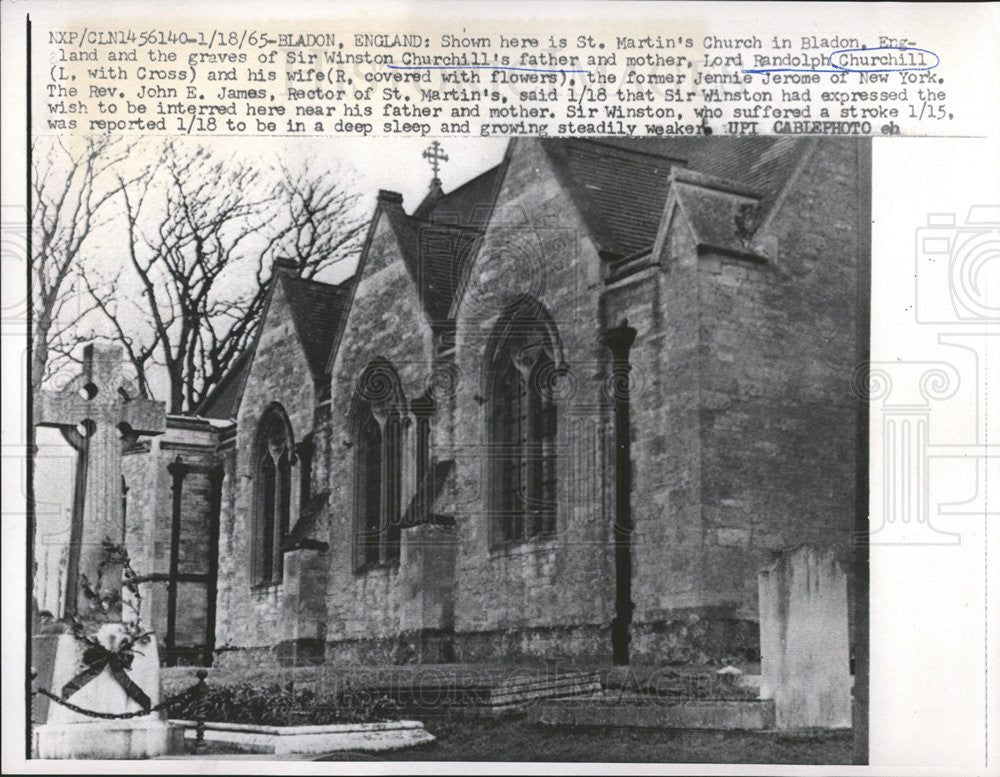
(437, 241)
(435, 255)
(620, 185)
(317, 311)
(223, 401)
(468, 205)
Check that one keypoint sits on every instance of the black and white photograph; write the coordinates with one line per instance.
(572, 443)
(498, 447)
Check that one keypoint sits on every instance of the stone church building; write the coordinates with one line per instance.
(566, 410)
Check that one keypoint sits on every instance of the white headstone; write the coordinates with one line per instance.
(804, 643)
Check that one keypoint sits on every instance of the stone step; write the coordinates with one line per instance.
(465, 690)
(545, 677)
(546, 687)
(287, 740)
(697, 683)
(494, 699)
(639, 711)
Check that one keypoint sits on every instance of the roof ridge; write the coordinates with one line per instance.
(446, 225)
(624, 150)
(473, 179)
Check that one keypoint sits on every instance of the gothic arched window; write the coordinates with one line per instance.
(379, 466)
(272, 495)
(522, 421)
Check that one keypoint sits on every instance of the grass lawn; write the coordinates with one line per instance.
(515, 739)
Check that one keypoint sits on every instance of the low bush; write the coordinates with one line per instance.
(284, 705)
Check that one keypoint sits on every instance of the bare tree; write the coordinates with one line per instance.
(321, 223)
(72, 184)
(203, 233)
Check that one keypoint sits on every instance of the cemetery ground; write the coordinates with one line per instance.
(515, 737)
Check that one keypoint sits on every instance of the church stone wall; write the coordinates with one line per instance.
(542, 597)
(365, 609)
(743, 440)
(249, 615)
(671, 620)
(228, 617)
(742, 429)
(742, 415)
(777, 410)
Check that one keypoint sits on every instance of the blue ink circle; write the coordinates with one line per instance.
(937, 60)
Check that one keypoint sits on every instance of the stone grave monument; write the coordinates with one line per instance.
(98, 658)
(804, 643)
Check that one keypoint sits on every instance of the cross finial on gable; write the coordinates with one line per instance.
(435, 154)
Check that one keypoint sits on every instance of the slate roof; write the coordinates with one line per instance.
(468, 205)
(435, 255)
(317, 311)
(620, 185)
(224, 400)
(442, 234)
(620, 192)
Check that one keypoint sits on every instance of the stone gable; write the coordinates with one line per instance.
(385, 322)
(280, 374)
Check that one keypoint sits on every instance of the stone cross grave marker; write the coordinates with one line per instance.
(99, 416)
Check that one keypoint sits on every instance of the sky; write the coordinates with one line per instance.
(398, 164)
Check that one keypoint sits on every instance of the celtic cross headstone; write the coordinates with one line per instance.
(99, 414)
(103, 679)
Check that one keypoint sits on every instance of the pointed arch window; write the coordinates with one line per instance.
(272, 496)
(379, 468)
(522, 415)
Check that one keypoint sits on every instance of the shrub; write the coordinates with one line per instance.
(278, 705)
